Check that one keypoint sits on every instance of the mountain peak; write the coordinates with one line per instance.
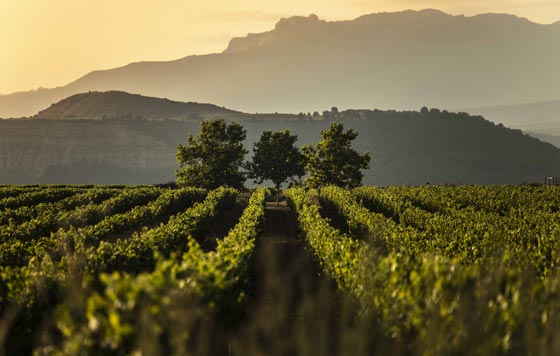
(297, 22)
(285, 30)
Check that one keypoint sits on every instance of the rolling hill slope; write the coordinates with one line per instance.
(541, 120)
(117, 104)
(407, 147)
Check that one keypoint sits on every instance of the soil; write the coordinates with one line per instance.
(292, 309)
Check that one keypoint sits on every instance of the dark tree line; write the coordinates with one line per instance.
(215, 157)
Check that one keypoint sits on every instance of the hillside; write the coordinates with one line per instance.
(387, 60)
(552, 139)
(116, 104)
(407, 148)
(541, 119)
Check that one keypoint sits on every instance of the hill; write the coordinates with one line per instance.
(387, 60)
(552, 139)
(117, 104)
(407, 148)
(541, 119)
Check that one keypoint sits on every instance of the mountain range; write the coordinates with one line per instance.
(402, 60)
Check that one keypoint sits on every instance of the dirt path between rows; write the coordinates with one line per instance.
(292, 309)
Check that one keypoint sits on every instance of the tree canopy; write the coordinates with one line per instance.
(276, 158)
(333, 161)
(214, 157)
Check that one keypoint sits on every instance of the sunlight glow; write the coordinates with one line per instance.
(49, 43)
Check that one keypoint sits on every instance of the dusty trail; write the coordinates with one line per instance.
(292, 309)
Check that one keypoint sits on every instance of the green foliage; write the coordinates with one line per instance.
(168, 203)
(26, 223)
(276, 158)
(220, 276)
(213, 281)
(432, 269)
(332, 161)
(13, 191)
(93, 213)
(34, 197)
(136, 254)
(454, 275)
(25, 230)
(340, 256)
(214, 157)
(383, 233)
(476, 224)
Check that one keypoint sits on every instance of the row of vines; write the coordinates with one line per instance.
(112, 269)
(443, 269)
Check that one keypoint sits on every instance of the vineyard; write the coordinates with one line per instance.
(408, 270)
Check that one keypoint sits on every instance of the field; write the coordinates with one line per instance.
(406, 270)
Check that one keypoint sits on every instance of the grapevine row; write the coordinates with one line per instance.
(136, 254)
(213, 278)
(20, 244)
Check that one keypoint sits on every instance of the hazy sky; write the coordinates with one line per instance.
(52, 42)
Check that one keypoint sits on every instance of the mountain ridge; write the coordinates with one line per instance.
(306, 64)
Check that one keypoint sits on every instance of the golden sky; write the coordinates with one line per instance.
(52, 42)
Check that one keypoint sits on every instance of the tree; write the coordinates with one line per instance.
(214, 157)
(332, 161)
(276, 158)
